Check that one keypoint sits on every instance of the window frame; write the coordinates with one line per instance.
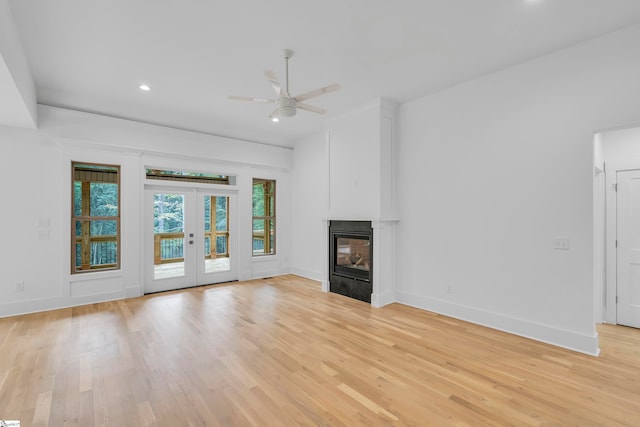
(89, 218)
(269, 216)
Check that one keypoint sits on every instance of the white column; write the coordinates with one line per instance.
(384, 262)
(325, 264)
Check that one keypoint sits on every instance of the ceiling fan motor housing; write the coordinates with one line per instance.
(286, 107)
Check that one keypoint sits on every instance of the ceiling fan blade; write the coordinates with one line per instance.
(271, 76)
(317, 92)
(248, 98)
(311, 108)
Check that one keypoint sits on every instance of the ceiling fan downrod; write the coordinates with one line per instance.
(288, 53)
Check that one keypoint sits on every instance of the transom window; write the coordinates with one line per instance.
(95, 218)
(264, 217)
(187, 176)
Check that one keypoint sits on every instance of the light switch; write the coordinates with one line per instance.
(561, 243)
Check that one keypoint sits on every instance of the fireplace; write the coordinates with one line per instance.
(351, 259)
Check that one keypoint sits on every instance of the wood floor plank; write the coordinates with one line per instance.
(279, 352)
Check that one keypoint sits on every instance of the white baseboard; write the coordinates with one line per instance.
(244, 275)
(309, 274)
(133, 292)
(265, 273)
(381, 299)
(55, 303)
(571, 340)
(32, 306)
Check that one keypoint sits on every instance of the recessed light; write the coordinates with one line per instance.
(145, 87)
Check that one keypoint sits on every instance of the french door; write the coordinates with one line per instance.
(190, 238)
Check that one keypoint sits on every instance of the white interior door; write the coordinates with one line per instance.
(628, 254)
(189, 238)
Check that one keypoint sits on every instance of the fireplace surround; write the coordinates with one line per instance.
(351, 259)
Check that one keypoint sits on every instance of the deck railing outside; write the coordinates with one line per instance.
(169, 247)
(258, 241)
(103, 251)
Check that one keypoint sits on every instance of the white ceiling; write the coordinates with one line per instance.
(92, 55)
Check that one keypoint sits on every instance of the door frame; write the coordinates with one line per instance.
(192, 277)
(611, 254)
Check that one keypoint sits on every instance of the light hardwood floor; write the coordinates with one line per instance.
(281, 352)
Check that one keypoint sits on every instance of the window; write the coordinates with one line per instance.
(186, 176)
(95, 217)
(264, 217)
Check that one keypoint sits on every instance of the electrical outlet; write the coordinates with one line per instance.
(19, 286)
(449, 289)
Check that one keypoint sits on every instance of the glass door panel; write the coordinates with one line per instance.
(216, 234)
(168, 235)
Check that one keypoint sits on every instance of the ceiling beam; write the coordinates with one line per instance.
(18, 105)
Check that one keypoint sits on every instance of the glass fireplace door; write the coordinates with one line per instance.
(352, 256)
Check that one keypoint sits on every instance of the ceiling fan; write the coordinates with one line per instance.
(287, 105)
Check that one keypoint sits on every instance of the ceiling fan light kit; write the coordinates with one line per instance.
(287, 105)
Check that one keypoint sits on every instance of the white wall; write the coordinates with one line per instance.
(354, 171)
(310, 201)
(29, 171)
(491, 171)
(35, 167)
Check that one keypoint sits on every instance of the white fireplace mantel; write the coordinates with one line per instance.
(384, 262)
